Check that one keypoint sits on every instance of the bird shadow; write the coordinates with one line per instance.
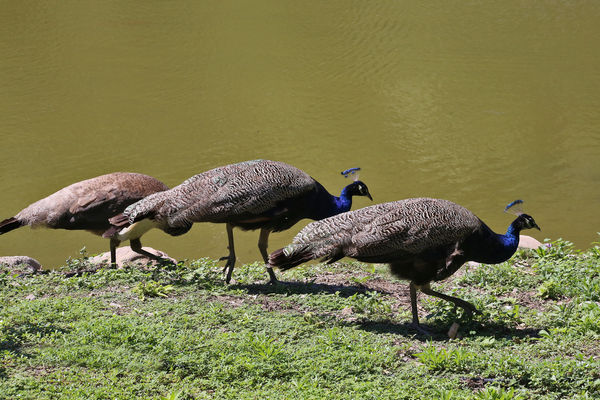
(293, 287)
(436, 330)
(14, 335)
(439, 332)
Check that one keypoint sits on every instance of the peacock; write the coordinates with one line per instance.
(87, 205)
(422, 240)
(260, 194)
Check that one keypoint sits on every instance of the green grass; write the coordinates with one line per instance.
(338, 331)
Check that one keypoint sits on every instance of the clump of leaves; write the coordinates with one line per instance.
(549, 290)
(152, 289)
(371, 304)
(176, 395)
(493, 393)
(201, 272)
(557, 249)
(456, 360)
(78, 264)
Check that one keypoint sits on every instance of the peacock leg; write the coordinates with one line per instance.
(263, 242)
(231, 257)
(136, 245)
(415, 311)
(413, 304)
(468, 307)
(113, 252)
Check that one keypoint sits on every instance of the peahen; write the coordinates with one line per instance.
(422, 240)
(87, 205)
(261, 194)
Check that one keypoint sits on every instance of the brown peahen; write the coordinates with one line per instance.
(87, 205)
(422, 240)
(260, 194)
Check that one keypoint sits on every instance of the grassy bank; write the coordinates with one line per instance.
(337, 331)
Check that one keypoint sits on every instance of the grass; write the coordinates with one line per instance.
(337, 331)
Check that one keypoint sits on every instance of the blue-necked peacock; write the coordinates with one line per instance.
(422, 240)
(261, 194)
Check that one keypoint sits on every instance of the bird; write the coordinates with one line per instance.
(87, 205)
(260, 194)
(421, 239)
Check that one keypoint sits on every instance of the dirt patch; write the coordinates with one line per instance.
(394, 288)
(474, 383)
(38, 371)
(233, 301)
(268, 303)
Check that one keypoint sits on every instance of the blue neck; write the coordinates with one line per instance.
(326, 205)
(501, 247)
(344, 202)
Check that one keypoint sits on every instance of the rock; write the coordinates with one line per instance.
(453, 331)
(20, 264)
(527, 242)
(127, 256)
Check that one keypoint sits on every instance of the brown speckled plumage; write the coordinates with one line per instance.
(259, 194)
(389, 230)
(86, 205)
(232, 193)
(422, 239)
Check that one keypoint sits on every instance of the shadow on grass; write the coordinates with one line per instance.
(439, 331)
(14, 337)
(295, 287)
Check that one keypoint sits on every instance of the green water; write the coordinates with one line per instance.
(477, 102)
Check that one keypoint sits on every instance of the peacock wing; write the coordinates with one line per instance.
(240, 189)
(412, 226)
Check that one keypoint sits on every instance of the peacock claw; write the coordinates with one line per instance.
(228, 267)
(420, 329)
(469, 311)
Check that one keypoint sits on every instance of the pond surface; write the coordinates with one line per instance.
(480, 103)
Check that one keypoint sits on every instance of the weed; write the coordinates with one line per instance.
(494, 393)
(372, 305)
(455, 360)
(549, 290)
(152, 289)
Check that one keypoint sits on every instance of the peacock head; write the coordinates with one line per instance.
(523, 221)
(358, 188)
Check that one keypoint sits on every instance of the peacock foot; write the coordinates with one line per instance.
(420, 329)
(228, 266)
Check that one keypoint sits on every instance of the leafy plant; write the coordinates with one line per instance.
(435, 359)
(152, 289)
(371, 304)
(549, 290)
(498, 393)
(557, 249)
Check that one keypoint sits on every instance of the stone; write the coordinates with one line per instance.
(453, 331)
(20, 264)
(527, 242)
(127, 256)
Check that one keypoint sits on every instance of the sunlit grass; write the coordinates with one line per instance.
(336, 331)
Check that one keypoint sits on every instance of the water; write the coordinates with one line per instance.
(477, 102)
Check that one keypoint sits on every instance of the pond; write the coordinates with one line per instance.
(480, 103)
